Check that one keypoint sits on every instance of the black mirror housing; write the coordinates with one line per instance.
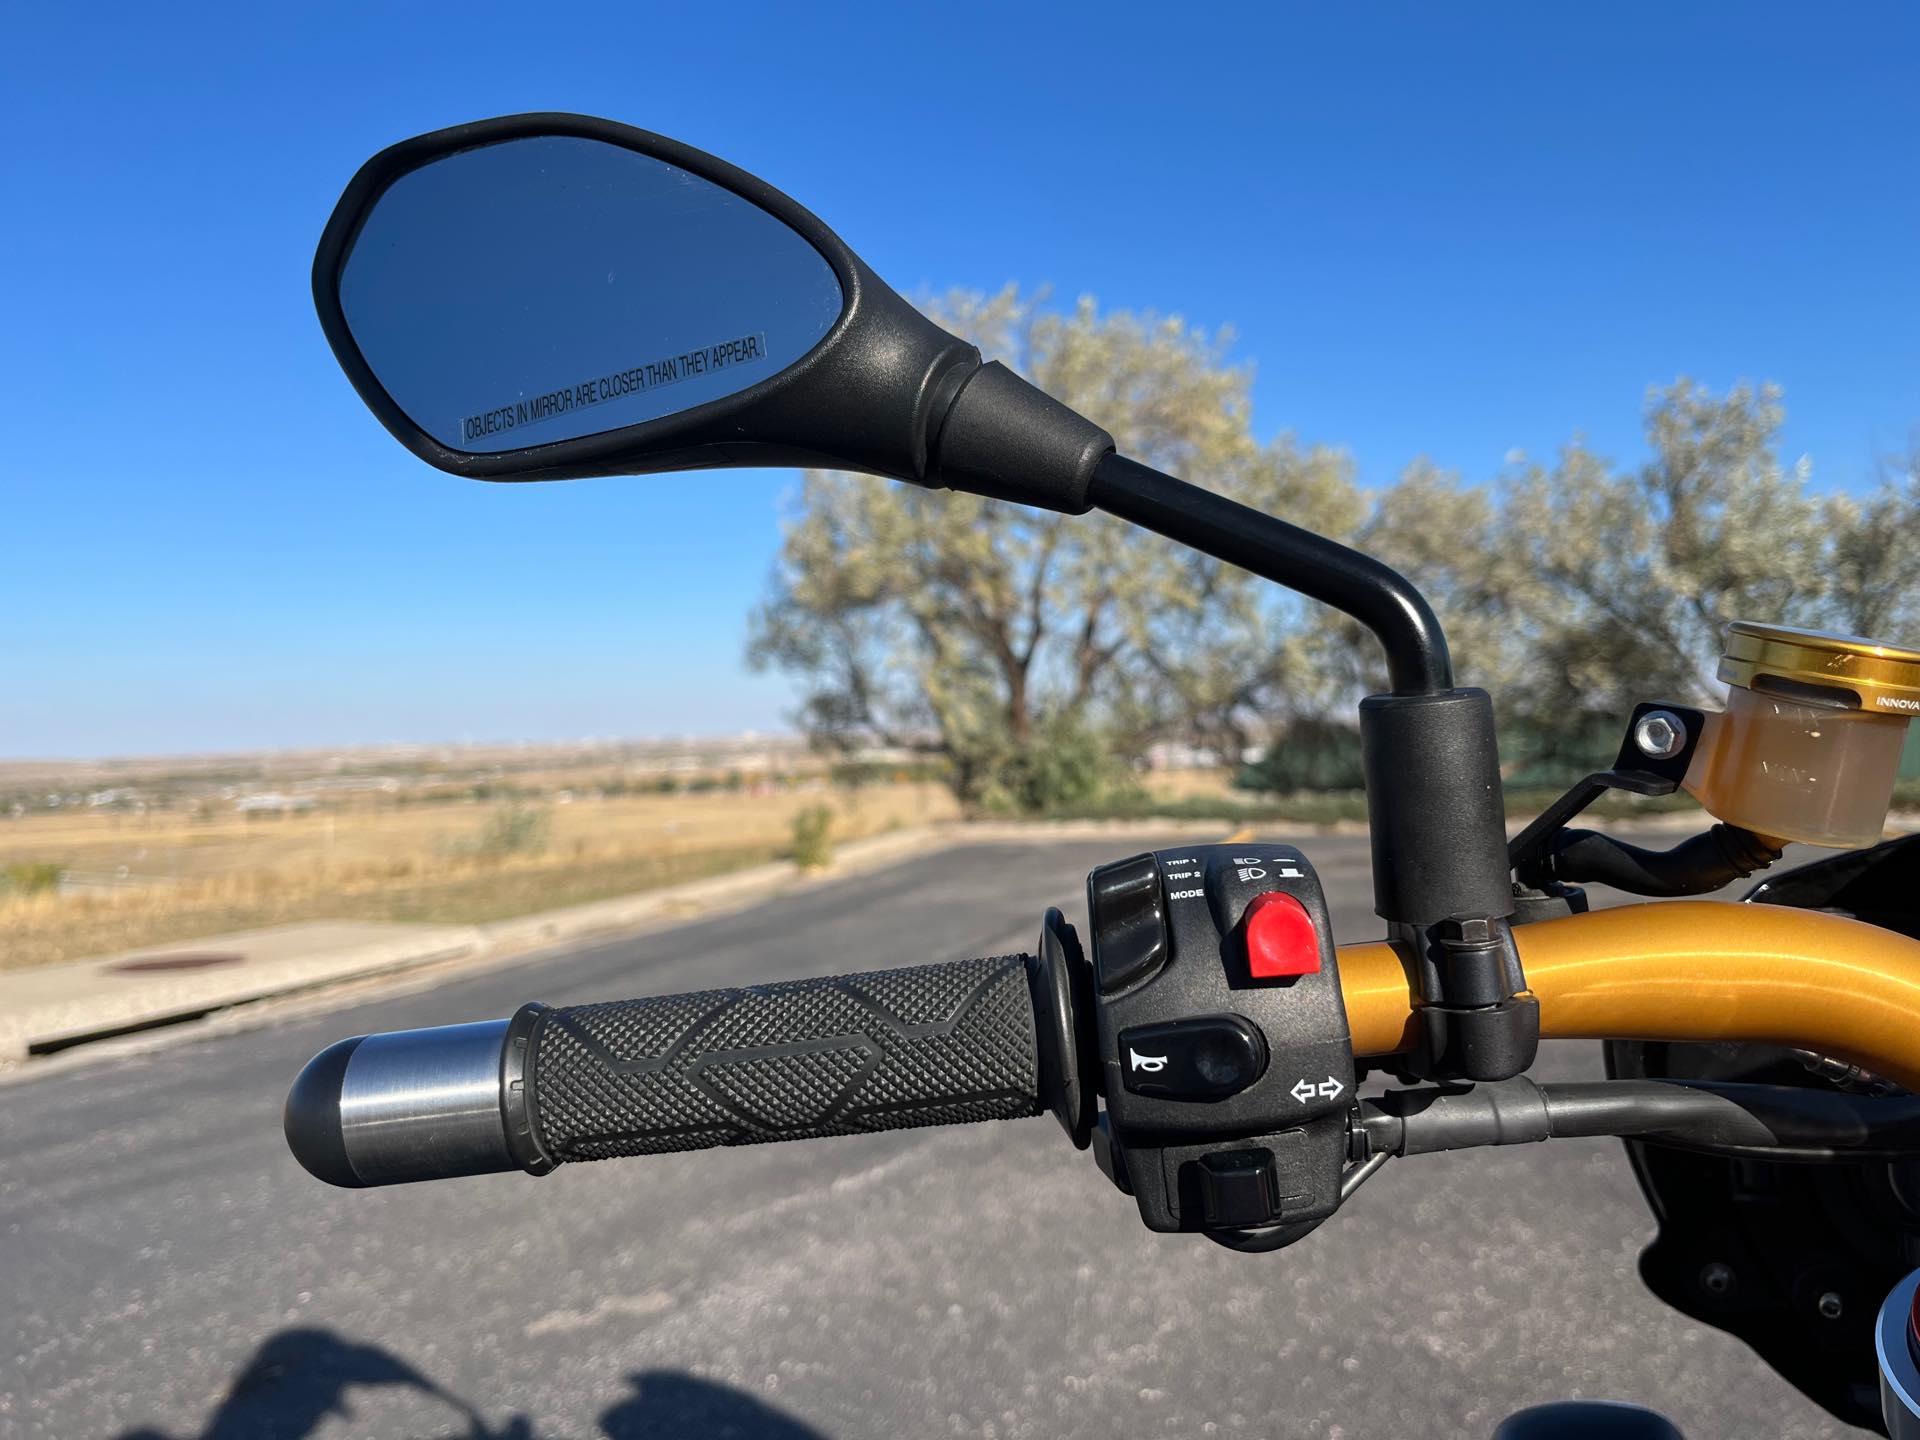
(886, 391)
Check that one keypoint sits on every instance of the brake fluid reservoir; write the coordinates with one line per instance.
(1809, 744)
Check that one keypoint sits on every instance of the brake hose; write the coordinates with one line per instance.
(1698, 865)
(1773, 1122)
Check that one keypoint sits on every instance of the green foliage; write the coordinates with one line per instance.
(813, 838)
(501, 790)
(857, 774)
(514, 829)
(30, 877)
(1311, 754)
(622, 785)
(730, 781)
(1554, 751)
(1065, 767)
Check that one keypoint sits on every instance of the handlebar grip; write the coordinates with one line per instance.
(844, 1055)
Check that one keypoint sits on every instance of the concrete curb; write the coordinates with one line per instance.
(52, 1007)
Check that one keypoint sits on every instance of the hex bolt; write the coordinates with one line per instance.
(1830, 1306)
(1716, 1279)
(1467, 931)
(1660, 734)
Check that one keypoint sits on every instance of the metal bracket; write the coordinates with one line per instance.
(1635, 770)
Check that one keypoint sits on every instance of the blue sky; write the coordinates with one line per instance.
(1443, 230)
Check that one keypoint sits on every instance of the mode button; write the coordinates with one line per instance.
(1129, 922)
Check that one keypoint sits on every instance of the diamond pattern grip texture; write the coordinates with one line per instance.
(845, 1055)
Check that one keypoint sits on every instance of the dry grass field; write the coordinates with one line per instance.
(130, 878)
(1185, 785)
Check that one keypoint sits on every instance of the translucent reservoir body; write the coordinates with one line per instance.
(1809, 744)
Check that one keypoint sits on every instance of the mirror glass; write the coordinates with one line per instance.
(547, 288)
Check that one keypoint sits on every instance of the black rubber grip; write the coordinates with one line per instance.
(845, 1055)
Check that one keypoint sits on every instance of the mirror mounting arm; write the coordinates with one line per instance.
(1376, 595)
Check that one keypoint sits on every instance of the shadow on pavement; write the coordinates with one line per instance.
(298, 1380)
(671, 1405)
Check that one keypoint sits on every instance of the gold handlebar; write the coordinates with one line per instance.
(1697, 970)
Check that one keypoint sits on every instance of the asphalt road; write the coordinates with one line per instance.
(166, 1268)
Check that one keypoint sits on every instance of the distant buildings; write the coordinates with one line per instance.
(273, 803)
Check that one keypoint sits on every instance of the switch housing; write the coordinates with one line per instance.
(1227, 1072)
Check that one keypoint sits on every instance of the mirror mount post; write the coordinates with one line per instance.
(1436, 816)
(1378, 597)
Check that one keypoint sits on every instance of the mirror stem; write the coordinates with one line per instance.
(1377, 596)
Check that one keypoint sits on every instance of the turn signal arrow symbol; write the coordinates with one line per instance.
(1305, 1090)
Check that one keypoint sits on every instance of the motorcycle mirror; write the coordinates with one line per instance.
(541, 297)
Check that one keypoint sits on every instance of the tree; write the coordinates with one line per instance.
(989, 633)
(1024, 646)
(1875, 580)
(1641, 571)
(1574, 590)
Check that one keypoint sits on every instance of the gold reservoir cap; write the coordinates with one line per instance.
(1886, 678)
